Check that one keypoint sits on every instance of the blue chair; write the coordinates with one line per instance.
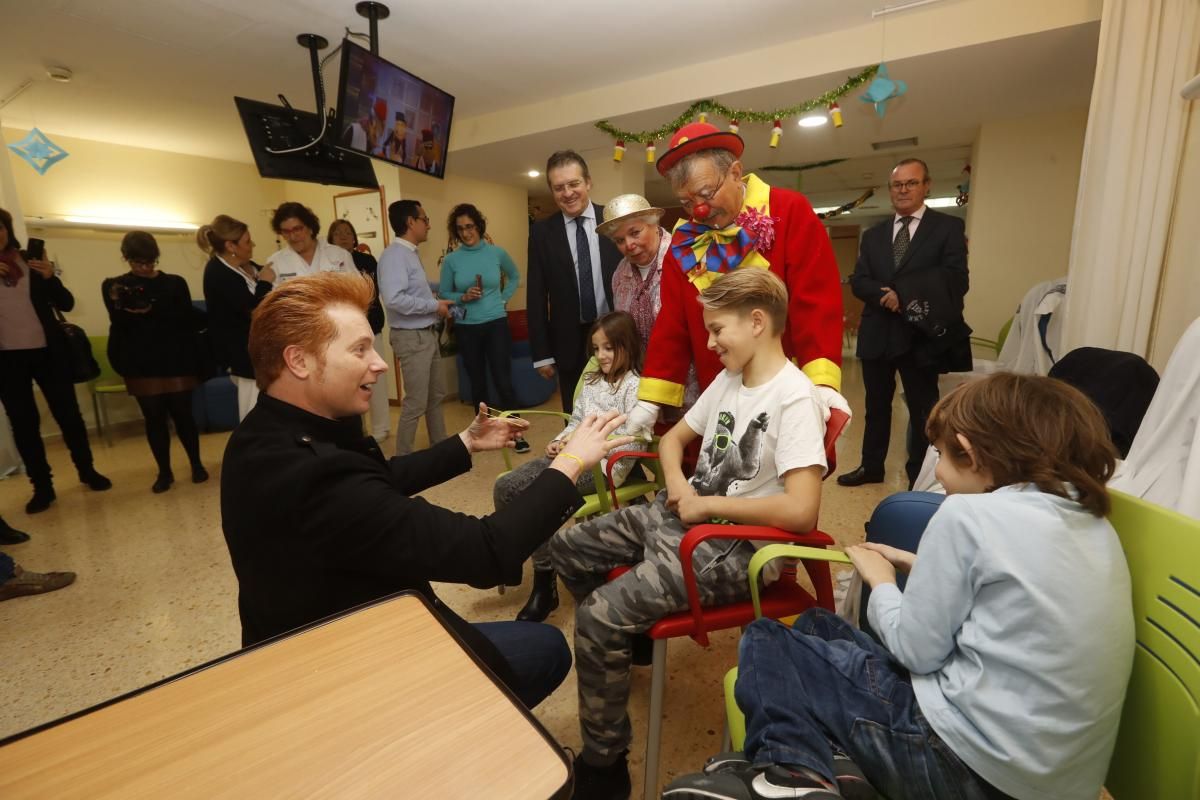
(898, 521)
(529, 388)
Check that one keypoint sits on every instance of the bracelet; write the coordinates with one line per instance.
(577, 459)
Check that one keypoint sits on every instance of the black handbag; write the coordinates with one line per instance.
(79, 349)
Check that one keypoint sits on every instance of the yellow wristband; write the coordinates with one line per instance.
(577, 459)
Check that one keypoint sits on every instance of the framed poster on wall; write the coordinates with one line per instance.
(366, 211)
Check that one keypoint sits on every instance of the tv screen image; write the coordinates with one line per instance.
(389, 113)
(270, 127)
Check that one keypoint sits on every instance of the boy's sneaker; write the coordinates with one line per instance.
(602, 783)
(748, 783)
(851, 781)
(522, 446)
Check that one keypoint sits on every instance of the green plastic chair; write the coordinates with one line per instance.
(996, 344)
(1158, 745)
(108, 382)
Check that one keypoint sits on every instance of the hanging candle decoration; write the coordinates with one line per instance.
(650, 153)
(733, 126)
(776, 132)
(619, 150)
(835, 114)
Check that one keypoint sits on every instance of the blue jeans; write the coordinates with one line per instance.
(487, 347)
(537, 654)
(824, 682)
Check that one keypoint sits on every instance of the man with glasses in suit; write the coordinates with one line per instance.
(912, 277)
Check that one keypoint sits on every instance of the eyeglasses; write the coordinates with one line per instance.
(904, 186)
(569, 186)
(143, 264)
(423, 219)
(465, 228)
(290, 231)
(704, 196)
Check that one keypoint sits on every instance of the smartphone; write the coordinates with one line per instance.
(36, 250)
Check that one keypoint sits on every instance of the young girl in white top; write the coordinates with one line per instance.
(612, 387)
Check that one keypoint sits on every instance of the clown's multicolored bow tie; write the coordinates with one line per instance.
(699, 248)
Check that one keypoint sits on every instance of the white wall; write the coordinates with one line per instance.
(1024, 179)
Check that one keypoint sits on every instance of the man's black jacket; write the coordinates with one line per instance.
(318, 521)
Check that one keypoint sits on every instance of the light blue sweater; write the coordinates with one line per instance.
(1017, 626)
(488, 261)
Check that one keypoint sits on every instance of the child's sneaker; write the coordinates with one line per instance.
(749, 783)
(522, 446)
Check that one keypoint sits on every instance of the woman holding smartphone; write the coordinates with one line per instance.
(482, 278)
(33, 347)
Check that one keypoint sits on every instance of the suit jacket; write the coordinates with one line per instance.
(317, 522)
(932, 278)
(552, 291)
(229, 305)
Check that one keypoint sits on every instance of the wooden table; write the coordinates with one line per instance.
(382, 702)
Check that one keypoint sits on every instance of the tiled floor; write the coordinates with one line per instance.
(156, 593)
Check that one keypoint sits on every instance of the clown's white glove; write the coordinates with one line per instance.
(829, 399)
(641, 419)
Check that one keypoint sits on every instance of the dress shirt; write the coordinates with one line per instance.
(404, 287)
(912, 223)
(589, 226)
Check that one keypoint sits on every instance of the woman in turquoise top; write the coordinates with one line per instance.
(481, 277)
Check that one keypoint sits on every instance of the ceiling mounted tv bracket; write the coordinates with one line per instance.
(374, 12)
(314, 43)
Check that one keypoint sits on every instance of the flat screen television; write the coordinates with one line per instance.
(270, 127)
(386, 112)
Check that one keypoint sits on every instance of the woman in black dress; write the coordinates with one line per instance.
(342, 233)
(152, 344)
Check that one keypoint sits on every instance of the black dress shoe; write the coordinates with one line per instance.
(543, 599)
(95, 481)
(858, 477)
(10, 535)
(163, 482)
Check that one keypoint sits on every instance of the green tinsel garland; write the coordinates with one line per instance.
(741, 115)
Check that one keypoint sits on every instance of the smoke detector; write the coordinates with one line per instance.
(60, 74)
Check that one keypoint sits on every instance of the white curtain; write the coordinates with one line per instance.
(1131, 158)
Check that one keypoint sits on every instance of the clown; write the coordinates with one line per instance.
(737, 222)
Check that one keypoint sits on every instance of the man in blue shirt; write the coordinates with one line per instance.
(412, 311)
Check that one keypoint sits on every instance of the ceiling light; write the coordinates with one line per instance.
(114, 223)
(533, 173)
(941, 202)
(813, 120)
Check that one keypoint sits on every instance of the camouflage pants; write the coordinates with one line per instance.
(609, 614)
(510, 485)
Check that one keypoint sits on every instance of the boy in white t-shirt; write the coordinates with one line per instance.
(761, 463)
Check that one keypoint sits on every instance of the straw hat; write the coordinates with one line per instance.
(622, 209)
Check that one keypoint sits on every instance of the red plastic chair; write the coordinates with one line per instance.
(782, 598)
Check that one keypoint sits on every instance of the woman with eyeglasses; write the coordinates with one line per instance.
(481, 278)
(152, 344)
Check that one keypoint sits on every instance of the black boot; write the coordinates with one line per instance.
(43, 496)
(163, 482)
(543, 599)
(94, 480)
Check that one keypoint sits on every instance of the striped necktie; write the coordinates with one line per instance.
(900, 244)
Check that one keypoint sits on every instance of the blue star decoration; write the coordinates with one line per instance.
(882, 89)
(40, 152)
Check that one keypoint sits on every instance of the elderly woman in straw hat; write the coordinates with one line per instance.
(632, 224)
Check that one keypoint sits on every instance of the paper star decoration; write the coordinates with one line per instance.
(882, 89)
(40, 152)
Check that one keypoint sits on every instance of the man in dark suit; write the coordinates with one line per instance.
(912, 276)
(570, 275)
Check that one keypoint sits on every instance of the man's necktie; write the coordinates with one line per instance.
(583, 257)
(900, 244)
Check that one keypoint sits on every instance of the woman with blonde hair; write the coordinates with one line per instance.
(233, 287)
